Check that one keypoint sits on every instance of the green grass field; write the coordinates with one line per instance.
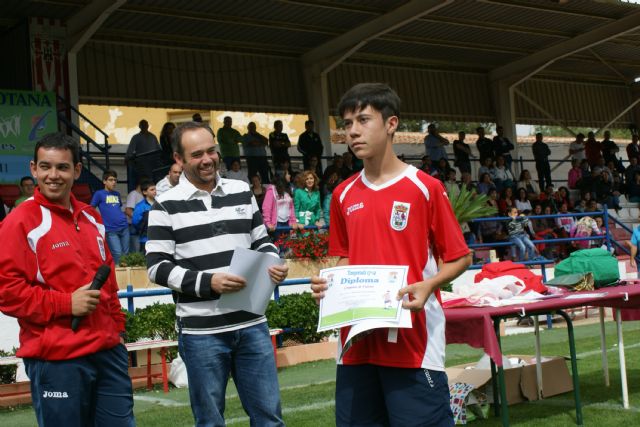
(308, 390)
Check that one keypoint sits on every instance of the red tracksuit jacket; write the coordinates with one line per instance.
(46, 253)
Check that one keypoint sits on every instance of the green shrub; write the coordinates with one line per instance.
(297, 311)
(8, 372)
(133, 259)
(154, 322)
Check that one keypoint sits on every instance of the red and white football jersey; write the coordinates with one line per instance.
(406, 221)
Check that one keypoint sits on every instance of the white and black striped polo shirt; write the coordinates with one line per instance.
(192, 235)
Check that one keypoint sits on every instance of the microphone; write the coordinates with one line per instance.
(98, 280)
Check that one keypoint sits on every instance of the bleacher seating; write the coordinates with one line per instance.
(9, 193)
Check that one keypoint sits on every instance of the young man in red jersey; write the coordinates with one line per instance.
(78, 378)
(391, 213)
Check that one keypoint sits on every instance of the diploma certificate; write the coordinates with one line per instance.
(361, 292)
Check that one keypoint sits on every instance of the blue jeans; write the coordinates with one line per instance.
(118, 242)
(523, 244)
(93, 390)
(247, 355)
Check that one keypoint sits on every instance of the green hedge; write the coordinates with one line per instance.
(8, 372)
(296, 311)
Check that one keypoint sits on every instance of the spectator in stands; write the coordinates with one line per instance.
(485, 184)
(462, 153)
(140, 218)
(486, 167)
(491, 231)
(575, 174)
(228, 140)
(165, 143)
(518, 229)
(442, 170)
(506, 201)
(258, 190)
(502, 146)
(434, 144)
(169, 181)
(562, 196)
(197, 118)
(254, 146)
(467, 182)
(605, 192)
(581, 206)
(284, 168)
(278, 209)
(133, 198)
(332, 182)
(576, 148)
(450, 184)
(528, 184)
(426, 165)
(592, 206)
(143, 155)
(542, 227)
(236, 172)
(541, 153)
(279, 144)
(547, 198)
(502, 175)
(584, 227)
(633, 188)
(347, 159)
(306, 199)
(610, 151)
(27, 187)
(522, 200)
(309, 144)
(109, 203)
(565, 223)
(593, 149)
(316, 166)
(336, 166)
(633, 150)
(631, 170)
(484, 145)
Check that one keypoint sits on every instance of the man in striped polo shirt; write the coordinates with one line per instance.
(193, 230)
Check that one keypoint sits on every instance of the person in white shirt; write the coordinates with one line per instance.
(169, 181)
(576, 148)
(236, 172)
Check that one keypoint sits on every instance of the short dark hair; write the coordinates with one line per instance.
(27, 178)
(145, 184)
(108, 174)
(176, 143)
(59, 141)
(377, 95)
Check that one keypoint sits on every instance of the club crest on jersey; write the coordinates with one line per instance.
(103, 253)
(400, 215)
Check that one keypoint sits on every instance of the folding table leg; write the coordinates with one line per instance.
(623, 363)
(603, 348)
(504, 408)
(574, 367)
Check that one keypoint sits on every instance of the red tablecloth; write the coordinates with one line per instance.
(474, 325)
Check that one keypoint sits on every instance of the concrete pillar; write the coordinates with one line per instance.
(503, 102)
(318, 104)
(635, 111)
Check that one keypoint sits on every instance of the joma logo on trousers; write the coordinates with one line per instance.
(55, 394)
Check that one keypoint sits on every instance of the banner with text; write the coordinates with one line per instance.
(24, 118)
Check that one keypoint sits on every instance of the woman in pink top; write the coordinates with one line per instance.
(277, 207)
(575, 174)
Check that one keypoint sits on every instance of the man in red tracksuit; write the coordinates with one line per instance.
(52, 247)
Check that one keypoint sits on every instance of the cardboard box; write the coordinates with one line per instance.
(521, 382)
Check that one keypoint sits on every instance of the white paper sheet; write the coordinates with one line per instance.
(253, 266)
